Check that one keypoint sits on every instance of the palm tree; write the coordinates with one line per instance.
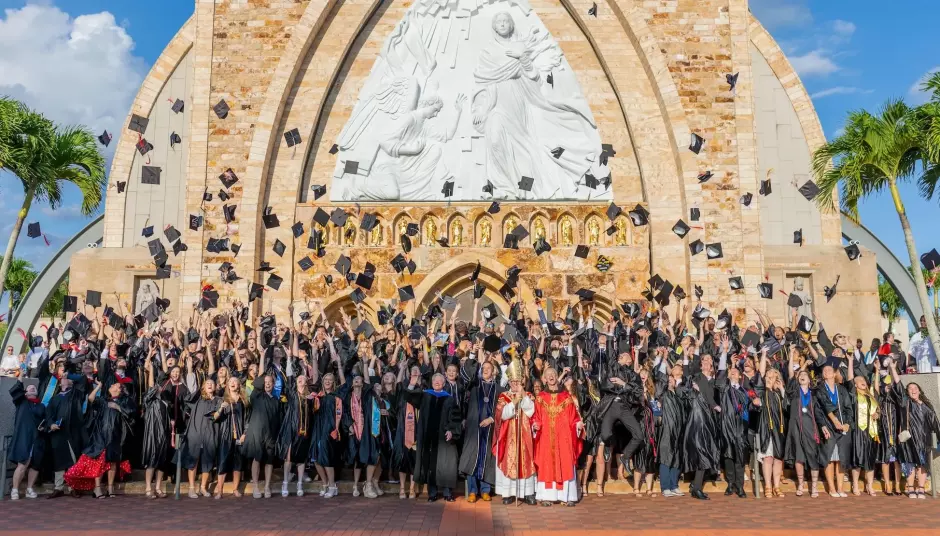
(891, 306)
(69, 156)
(53, 306)
(873, 154)
(21, 131)
(19, 278)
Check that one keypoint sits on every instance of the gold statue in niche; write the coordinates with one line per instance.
(486, 230)
(594, 232)
(620, 237)
(566, 230)
(511, 223)
(324, 232)
(375, 237)
(456, 233)
(430, 232)
(538, 229)
(402, 227)
(349, 233)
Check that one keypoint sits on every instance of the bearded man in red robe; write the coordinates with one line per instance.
(513, 447)
(558, 429)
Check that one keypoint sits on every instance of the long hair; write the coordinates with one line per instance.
(238, 396)
(202, 389)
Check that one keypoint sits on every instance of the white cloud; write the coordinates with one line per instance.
(814, 63)
(843, 27)
(777, 13)
(839, 90)
(74, 70)
(916, 95)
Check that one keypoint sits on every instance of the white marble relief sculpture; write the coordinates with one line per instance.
(410, 131)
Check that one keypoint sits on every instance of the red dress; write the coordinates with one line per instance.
(557, 445)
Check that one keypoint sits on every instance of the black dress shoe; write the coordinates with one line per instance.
(530, 500)
(75, 493)
(729, 491)
(56, 494)
(450, 498)
(433, 498)
(508, 500)
(700, 495)
(742, 494)
(571, 504)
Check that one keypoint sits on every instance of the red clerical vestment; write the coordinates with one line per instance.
(513, 461)
(557, 445)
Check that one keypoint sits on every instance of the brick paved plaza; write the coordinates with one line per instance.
(347, 516)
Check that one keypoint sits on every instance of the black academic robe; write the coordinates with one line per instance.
(27, 445)
(364, 449)
(863, 444)
(327, 431)
(672, 424)
(403, 456)
(156, 440)
(700, 436)
(889, 400)
(107, 427)
(436, 461)
(66, 443)
(920, 420)
(264, 423)
(771, 430)
(733, 420)
(296, 432)
(477, 457)
(202, 432)
(842, 408)
(804, 439)
(231, 423)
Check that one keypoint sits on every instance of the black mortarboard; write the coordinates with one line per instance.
(319, 190)
(138, 124)
(70, 304)
(542, 246)
(488, 188)
(714, 251)
(681, 229)
(724, 320)
(150, 174)
(448, 189)
(607, 181)
(476, 272)
(104, 138)
(279, 248)
(512, 274)
(351, 167)
(144, 146)
(798, 237)
(930, 260)
(179, 247)
(732, 80)
(305, 263)
(766, 290)
(526, 183)
(639, 216)
(630, 309)
(585, 294)
(656, 282)
(520, 232)
(593, 10)
(613, 211)
(274, 281)
(206, 196)
(369, 221)
(830, 292)
(511, 241)
(147, 232)
(558, 151)
(209, 300)
(163, 272)
(221, 109)
(328, 279)
(365, 280)
(365, 328)
(338, 217)
(297, 229)
(662, 297)
(229, 212)
(478, 290)
(33, 231)
(406, 293)
(696, 247)
(213, 245)
(321, 217)
(270, 219)
(411, 229)
(443, 241)
(695, 214)
(265, 266)
(160, 259)
(171, 234)
(178, 106)
(255, 292)
(736, 282)
(581, 251)
(852, 251)
(705, 176)
(507, 292)
(603, 263)
(550, 79)
(399, 263)
(236, 248)
(696, 144)
(121, 185)
(223, 195)
(343, 264)
(154, 245)
(699, 292)
(195, 222)
(591, 181)
(765, 188)
(679, 293)
(746, 199)
(228, 178)
(794, 300)
(809, 190)
(174, 139)
(805, 324)
(383, 316)
(493, 208)
(412, 266)
(292, 137)
(611, 230)
(93, 298)
(115, 320)
(405, 243)
(750, 339)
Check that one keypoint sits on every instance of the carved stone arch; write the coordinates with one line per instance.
(479, 231)
(561, 229)
(452, 277)
(465, 233)
(340, 301)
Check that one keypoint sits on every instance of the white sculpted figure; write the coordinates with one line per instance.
(520, 125)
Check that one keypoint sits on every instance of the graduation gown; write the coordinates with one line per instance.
(672, 424)
(156, 441)
(771, 430)
(803, 440)
(296, 432)
(842, 408)
(264, 423)
(107, 428)
(477, 456)
(202, 432)
(865, 432)
(700, 435)
(403, 448)
(920, 420)
(436, 457)
(27, 445)
(889, 399)
(68, 441)
(327, 430)
(231, 423)
(361, 448)
(733, 420)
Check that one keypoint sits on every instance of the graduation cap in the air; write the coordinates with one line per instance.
(930, 260)
(369, 222)
(195, 222)
(339, 217)
(681, 229)
(520, 232)
(705, 176)
(209, 299)
(631, 309)
(526, 183)
(488, 188)
(292, 137)
(696, 144)
(747, 198)
(93, 298)
(138, 124)
(607, 181)
(478, 290)
(830, 292)
(236, 248)
(163, 271)
(766, 290)
(493, 208)
(171, 234)
(405, 243)
(853, 252)
(448, 189)
(765, 188)
(255, 292)
(334, 149)
(732, 80)
(476, 272)
(662, 297)
(809, 190)
(511, 241)
(351, 167)
(558, 151)
(613, 211)
(550, 79)
(607, 150)
(229, 212)
(270, 219)
(206, 196)
(319, 190)
(121, 185)
(443, 242)
(150, 174)
(399, 263)
(406, 293)
(155, 246)
(593, 10)
(365, 279)
(174, 139)
(160, 258)
(699, 292)
(798, 237)
(585, 295)
(115, 320)
(679, 293)
(793, 300)
(696, 247)
(320, 217)
(603, 263)
(178, 106)
(274, 281)
(581, 251)
(343, 264)
(412, 266)
(736, 282)
(611, 230)
(104, 138)
(228, 178)
(507, 292)
(805, 324)
(724, 320)
(750, 339)
(297, 229)
(221, 109)
(265, 266)
(639, 216)
(365, 328)
(542, 246)
(695, 214)
(179, 247)
(33, 231)
(591, 181)
(656, 282)
(713, 251)
(144, 146)
(305, 263)
(279, 248)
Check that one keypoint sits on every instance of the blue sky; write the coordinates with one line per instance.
(81, 61)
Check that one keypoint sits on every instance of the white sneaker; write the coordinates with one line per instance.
(255, 492)
(355, 490)
(30, 494)
(300, 489)
(668, 493)
(267, 493)
(284, 492)
(14, 494)
(678, 493)
(324, 490)
(331, 492)
(307, 479)
(377, 489)
(368, 491)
